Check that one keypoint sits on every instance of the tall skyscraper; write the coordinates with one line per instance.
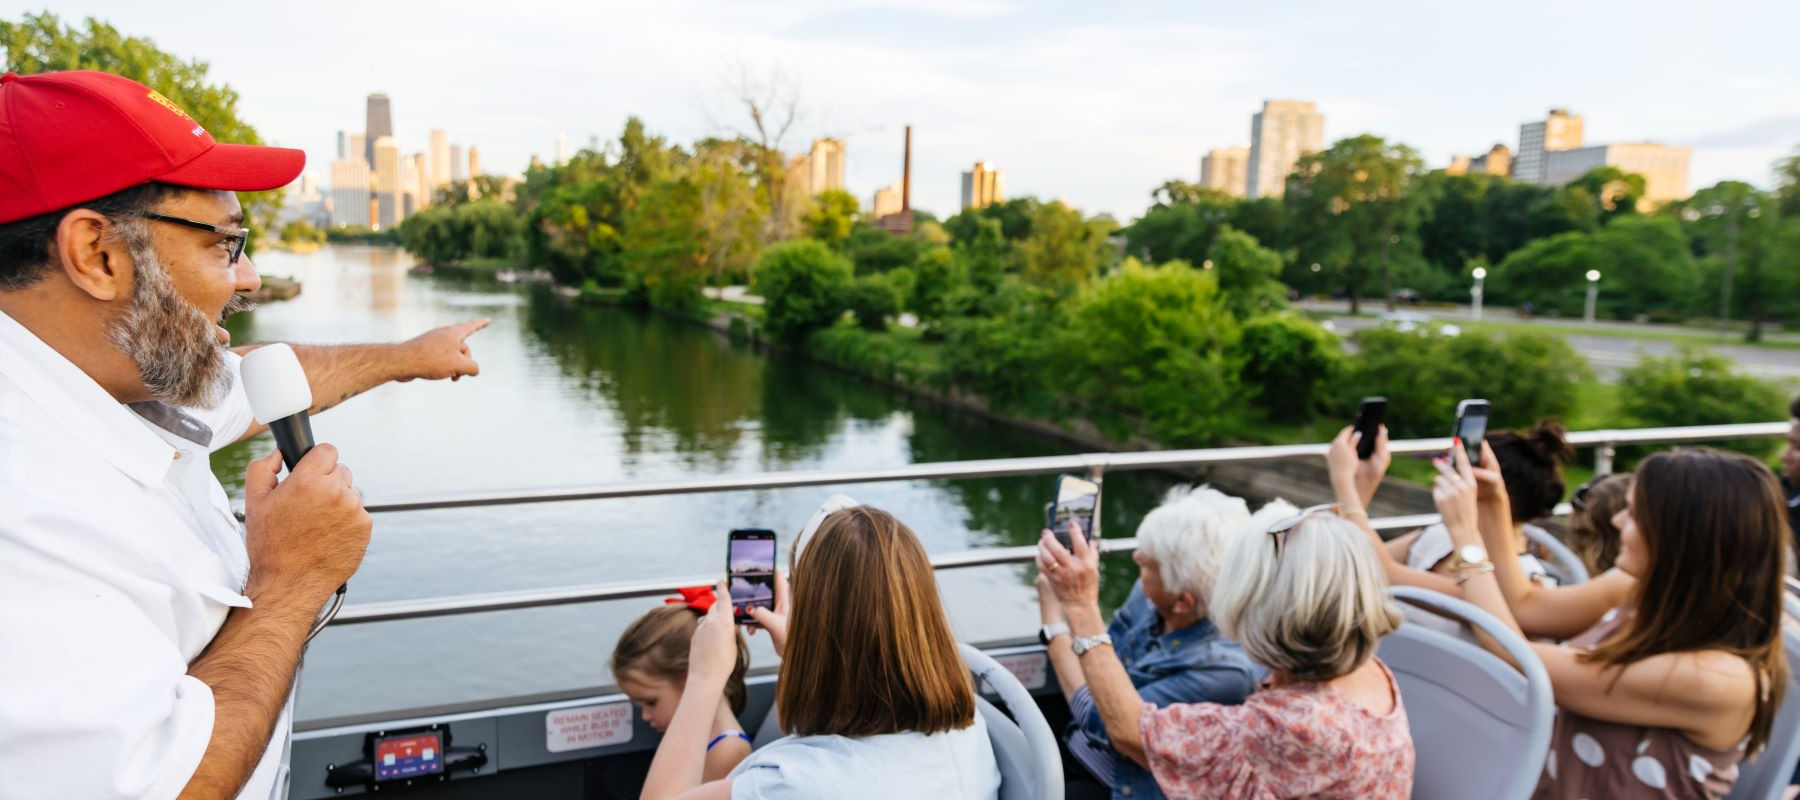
(1226, 169)
(350, 191)
(474, 163)
(459, 163)
(821, 168)
(562, 149)
(1496, 161)
(422, 186)
(983, 186)
(1282, 132)
(1560, 131)
(1665, 168)
(379, 123)
(340, 150)
(440, 158)
(357, 146)
(388, 186)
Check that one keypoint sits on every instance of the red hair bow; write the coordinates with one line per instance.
(698, 599)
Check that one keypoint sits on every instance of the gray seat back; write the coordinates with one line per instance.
(1565, 566)
(1480, 728)
(1024, 746)
(1767, 777)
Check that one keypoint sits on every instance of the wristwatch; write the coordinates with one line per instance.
(1082, 644)
(1468, 555)
(1051, 631)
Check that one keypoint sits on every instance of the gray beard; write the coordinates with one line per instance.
(172, 342)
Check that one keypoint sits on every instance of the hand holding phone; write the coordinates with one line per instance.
(1368, 425)
(1077, 499)
(750, 567)
(1471, 427)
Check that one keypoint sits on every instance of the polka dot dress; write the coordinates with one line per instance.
(1590, 759)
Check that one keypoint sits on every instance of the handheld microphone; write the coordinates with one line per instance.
(279, 396)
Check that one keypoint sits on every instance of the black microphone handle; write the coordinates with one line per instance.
(293, 436)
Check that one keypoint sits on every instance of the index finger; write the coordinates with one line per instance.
(467, 329)
(322, 459)
(1055, 548)
(1459, 456)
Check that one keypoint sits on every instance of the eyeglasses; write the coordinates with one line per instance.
(1278, 531)
(1578, 501)
(238, 237)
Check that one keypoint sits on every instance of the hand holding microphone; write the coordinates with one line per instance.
(306, 534)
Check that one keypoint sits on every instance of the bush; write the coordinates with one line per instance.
(1009, 353)
(873, 298)
(1695, 386)
(1249, 273)
(1291, 364)
(1152, 350)
(803, 285)
(1526, 376)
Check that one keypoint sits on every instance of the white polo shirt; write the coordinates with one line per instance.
(119, 559)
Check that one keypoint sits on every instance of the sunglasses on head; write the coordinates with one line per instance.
(1278, 531)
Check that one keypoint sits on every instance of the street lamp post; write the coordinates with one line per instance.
(1480, 276)
(1593, 276)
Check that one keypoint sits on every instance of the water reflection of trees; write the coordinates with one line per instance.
(667, 381)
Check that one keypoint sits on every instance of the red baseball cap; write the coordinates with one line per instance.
(70, 137)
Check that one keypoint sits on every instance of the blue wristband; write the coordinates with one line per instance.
(726, 735)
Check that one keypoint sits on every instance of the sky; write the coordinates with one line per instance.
(1092, 103)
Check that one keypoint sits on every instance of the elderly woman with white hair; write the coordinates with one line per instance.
(1170, 649)
(1305, 595)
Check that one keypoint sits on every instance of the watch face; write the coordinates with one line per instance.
(1472, 553)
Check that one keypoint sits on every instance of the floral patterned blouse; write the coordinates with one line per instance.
(1299, 740)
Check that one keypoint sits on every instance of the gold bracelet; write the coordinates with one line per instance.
(1363, 512)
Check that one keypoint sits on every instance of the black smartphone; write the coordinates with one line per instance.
(1471, 427)
(750, 565)
(1077, 499)
(1368, 425)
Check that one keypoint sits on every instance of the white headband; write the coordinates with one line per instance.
(833, 504)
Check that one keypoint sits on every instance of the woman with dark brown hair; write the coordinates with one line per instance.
(1675, 680)
(876, 701)
(1592, 534)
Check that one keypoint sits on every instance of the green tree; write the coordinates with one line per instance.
(663, 244)
(873, 298)
(803, 285)
(1352, 209)
(434, 236)
(1062, 250)
(1152, 349)
(830, 216)
(1248, 273)
(1291, 363)
(492, 227)
(1787, 185)
(1643, 262)
(1183, 229)
(940, 278)
(1730, 225)
(42, 43)
(1604, 193)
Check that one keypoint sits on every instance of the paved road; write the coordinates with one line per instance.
(1610, 354)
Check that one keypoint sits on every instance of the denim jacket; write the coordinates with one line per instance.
(1196, 664)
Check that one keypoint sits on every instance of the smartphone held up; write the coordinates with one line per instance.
(1077, 499)
(750, 565)
(1471, 427)
(1368, 425)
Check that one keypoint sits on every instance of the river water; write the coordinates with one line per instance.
(579, 395)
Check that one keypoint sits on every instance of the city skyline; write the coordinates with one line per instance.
(1095, 110)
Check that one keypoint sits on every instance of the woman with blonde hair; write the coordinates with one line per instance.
(875, 698)
(1305, 596)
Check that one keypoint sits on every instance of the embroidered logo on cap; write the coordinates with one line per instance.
(165, 102)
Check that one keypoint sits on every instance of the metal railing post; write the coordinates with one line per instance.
(1603, 458)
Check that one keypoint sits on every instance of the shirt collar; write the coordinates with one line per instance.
(85, 410)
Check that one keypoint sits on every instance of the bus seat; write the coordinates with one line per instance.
(1566, 567)
(1480, 728)
(1767, 776)
(1024, 746)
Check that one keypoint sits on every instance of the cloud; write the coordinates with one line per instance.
(1782, 131)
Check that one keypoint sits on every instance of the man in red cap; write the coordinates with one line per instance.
(148, 643)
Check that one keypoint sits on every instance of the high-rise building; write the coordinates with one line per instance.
(379, 122)
(983, 186)
(1496, 161)
(1560, 131)
(474, 163)
(1282, 132)
(440, 158)
(388, 186)
(887, 201)
(562, 149)
(821, 168)
(459, 163)
(421, 187)
(350, 191)
(357, 146)
(1226, 169)
(1665, 168)
(340, 150)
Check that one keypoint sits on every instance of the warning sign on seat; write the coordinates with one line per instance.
(589, 726)
(1029, 668)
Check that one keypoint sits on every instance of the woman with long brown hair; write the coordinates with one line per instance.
(1676, 680)
(876, 701)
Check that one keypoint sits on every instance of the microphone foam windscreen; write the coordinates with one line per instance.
(275, 383)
